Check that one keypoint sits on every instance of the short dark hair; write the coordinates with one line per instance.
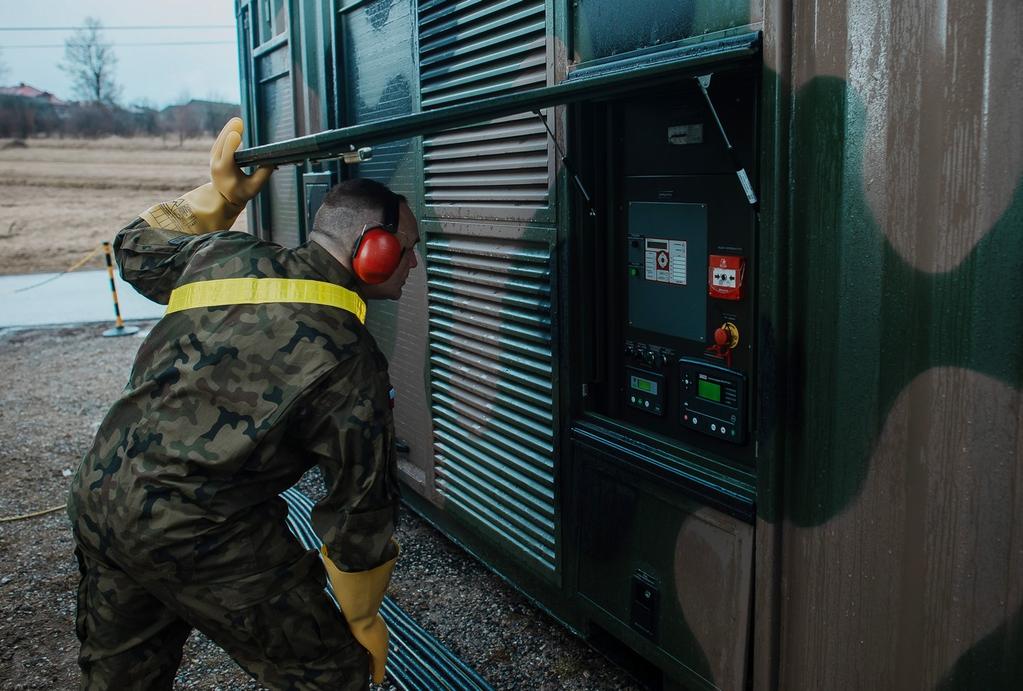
(350, 204)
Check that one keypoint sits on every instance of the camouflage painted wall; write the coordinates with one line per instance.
(901, 556)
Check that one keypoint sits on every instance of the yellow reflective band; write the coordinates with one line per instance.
(251, 291)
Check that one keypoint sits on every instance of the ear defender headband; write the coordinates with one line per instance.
(377, 251)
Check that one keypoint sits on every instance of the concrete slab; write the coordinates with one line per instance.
(74, 298)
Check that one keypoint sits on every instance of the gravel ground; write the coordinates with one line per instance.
(55, 387)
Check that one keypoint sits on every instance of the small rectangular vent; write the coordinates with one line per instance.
(491, 389)
(471, 49)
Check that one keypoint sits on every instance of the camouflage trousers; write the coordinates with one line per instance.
(132, 629)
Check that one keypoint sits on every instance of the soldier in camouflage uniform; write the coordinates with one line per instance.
(232, 397)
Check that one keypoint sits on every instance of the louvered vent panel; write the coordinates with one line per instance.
(472, 49)
(491, 386)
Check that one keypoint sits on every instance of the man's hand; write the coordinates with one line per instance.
(228, 179)
(217, 204)
(360, 594)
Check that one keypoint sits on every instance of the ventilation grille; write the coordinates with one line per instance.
(472, 49)
(491, 387)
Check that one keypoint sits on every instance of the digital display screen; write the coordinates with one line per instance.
(644, 385)
(709, 390)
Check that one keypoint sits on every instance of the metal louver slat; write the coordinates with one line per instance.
(491, 398)
(484, 293)
(516, 63)
(452, 372)
(480, 88)
(521, 489)
(531, 548)
(488, 164)
(527, 387)
(461, 48)
(454, 433)
(534, 178)
(465, 304)
(479, 156)
(520, 126)
(485, 413)
(466, 18)
(482, 454)
(477, 48)
(512, 513)
(434, 10)
(515, 254)
(454, 263)
(494, 282)
(489, 58)
(498, 325)
(479, 334)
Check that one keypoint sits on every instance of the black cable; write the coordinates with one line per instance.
(155, 27)
(128, 45)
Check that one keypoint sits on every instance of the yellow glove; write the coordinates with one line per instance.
(360, 594)
(217, 204)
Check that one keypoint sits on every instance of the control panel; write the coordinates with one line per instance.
(646, 390)
(713, 399)
(685, 254)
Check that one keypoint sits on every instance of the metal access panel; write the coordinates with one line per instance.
(664, 572)
(663, 452)
(667, 252)
(682, 264)
(315, 187)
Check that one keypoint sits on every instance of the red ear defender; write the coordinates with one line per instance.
(376, 256)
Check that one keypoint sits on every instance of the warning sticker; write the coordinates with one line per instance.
(666, 261)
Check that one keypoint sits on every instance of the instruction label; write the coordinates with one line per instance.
(666, 261)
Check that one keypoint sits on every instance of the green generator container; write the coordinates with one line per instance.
(715, 347)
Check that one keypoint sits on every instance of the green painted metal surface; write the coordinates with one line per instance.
(668, 64)
(605, 28)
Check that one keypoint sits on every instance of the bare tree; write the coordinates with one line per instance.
(90, 61)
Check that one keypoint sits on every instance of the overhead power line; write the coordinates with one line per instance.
(154, 27)
(128, 45)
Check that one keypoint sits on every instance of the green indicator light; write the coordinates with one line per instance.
(633, 271)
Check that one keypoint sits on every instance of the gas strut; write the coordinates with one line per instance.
(564, 162)
(704, 82)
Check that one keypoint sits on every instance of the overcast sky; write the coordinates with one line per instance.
(160, 74)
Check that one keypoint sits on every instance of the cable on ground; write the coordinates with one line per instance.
(73, 267)
(9, 519)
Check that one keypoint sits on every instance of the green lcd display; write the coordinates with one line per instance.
(709, 390)
(644, 385)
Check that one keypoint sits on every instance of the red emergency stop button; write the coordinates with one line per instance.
(726, 335)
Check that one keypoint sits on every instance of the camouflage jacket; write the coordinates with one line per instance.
(228, 406)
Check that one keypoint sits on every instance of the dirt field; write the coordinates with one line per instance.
(59, 198)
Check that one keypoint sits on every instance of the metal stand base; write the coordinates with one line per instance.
(121, 331)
